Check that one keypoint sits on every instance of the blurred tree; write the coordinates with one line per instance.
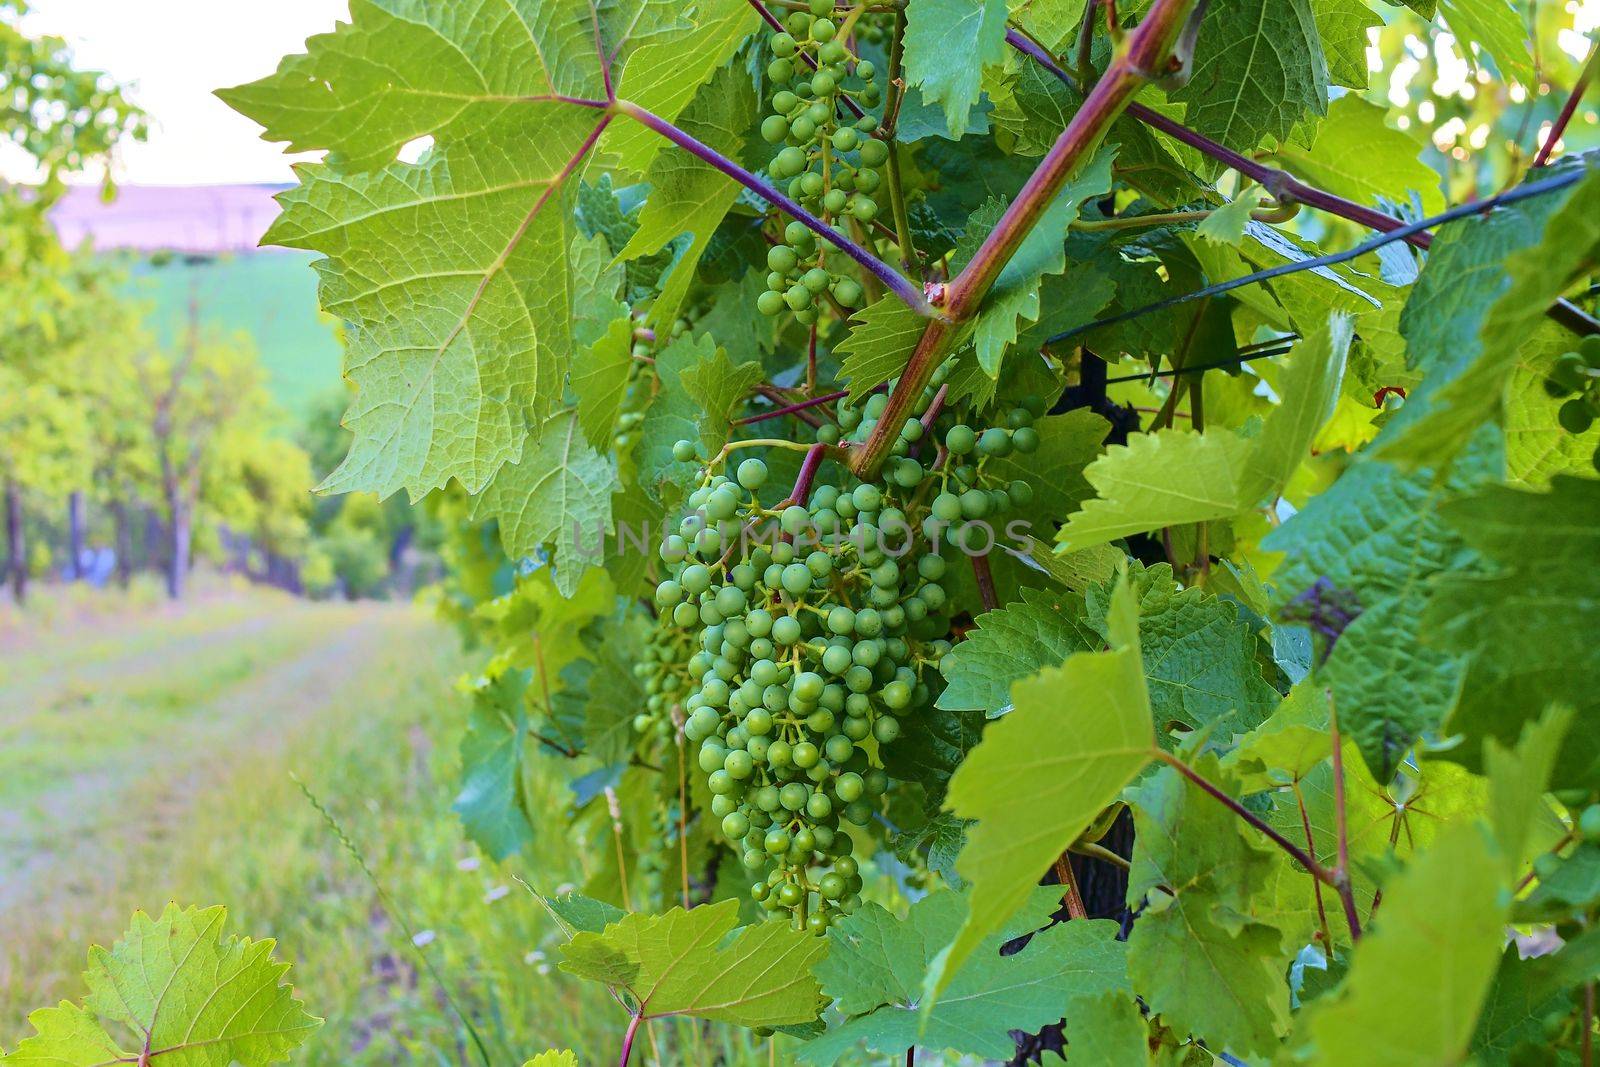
(63, 119)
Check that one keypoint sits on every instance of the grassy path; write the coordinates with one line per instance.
(150, 758)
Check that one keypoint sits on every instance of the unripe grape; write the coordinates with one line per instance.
(798, 23)
(784, 101)
(815, 280)
(782, 258)
(774, 129)
(847, 291)
(845, 140)
(1025, 440)
(822, 30)
(863, 208)
(783, 45)
(960, 440)
(798, 297)
(821, 7)
(752, 474)
(803, 128)
(789, 162)
(995, 442)
(811, 184)
(780, 70)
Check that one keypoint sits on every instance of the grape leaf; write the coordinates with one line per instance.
(1376, 535)
(1495, 27)
(1525, 991)
(876, 965)
(1044, 772)
(879, 344)
(1343, 26)
(1199, 656)
(947, 45)
(557, 494)
(1067, 444)
(1527, 624)
(600, 382)
(553, 1058)
(699, 387)
(493, 802)
(1107, 1030)
(1012, 643)
(686, 963)
(667, 74)
(1258, 70)
(1201, 954)
(1356, 154)
(1484, 292)
(1418, 977)
(1174, 477)
(173, 990)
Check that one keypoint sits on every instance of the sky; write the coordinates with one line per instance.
(172, 55)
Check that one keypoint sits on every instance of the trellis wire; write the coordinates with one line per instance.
(1510, 196)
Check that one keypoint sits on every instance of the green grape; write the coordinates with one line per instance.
(774, 129)
(770, 303)
(847, 291)
(780, 70)
(1575, 416)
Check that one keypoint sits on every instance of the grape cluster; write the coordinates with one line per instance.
(829, 162)
(1576, 377)
(666, 682)
(965, 487)
(814, 652)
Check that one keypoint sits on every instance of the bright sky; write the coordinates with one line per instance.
(173, 54)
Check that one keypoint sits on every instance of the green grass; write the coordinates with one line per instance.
(272, 296)
(150, 754)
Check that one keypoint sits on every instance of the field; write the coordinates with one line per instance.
(269, 295)
(146, 755)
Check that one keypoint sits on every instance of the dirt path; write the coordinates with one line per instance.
(105, 748)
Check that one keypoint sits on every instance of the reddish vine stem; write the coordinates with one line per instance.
(892, 279)
(1283, 186)
(1070, 896)
(1148, 54)
(1585, 76)
(1311, 847)
(1298, 854)
(934, 407)
(985, 578)
(808, 473)
(1341, 827)
(799, 409)
(627, 1039)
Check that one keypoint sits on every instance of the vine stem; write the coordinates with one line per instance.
(892, 279)
(1070, 896)
(1298, 854)
(1283, 186)
(1146, 53)
(985, 579)
(891, 108)
(627, 1039)
(1585, 76)
(1341, 826)
(1279, 183)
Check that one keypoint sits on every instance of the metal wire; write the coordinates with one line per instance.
(1510, 196)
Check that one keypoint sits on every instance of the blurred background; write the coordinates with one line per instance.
(192, 640)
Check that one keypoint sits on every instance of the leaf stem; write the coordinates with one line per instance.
(1071, 896)
(985, 579)
(897, 197)
(892, 279)
(634, 1019)
(1298, 854)
(1341, 826)
(1585, 76)
(1146, 54)
(790, 409)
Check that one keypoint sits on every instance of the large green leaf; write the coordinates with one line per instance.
(686, 963)
(556, 496)
(1200, 954)
(876, 965)
(880, 342)
(1419, 975)
(1044, 772)
(947, 45)
(471, 242)
(1010, 644)
(1200, 656)
(1259, 69)
(1483, 294)
(1174, 477)
(1377, 537)
(1526, 625)
(173, 991)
